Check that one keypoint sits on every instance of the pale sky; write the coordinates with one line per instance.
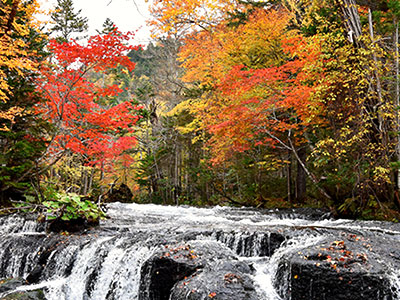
(128, 15)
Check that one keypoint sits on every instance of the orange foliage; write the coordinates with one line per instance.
(208, 56)
(259, 76)
(263, 77)
(172, 16)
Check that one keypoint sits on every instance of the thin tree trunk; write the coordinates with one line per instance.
(397, 100)
(84, 182)
(38, 184)
(301, 188)
(176, 176)
(239, 186)
(309, 174)
(352, 19)
(11, 18)
(289, 177)
(91, 180)
(378, 81)
(291, 148)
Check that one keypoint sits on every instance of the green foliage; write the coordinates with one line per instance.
(71, 207)
(108, 26)
(67, 22)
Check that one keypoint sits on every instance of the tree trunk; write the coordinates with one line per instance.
(301, 176)
(289, 177)
(352, 20)
(11, 17)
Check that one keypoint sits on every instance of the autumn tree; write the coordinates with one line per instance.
(96, 133)
(205, 68)
(355, 149)
(208, 55)
(311, 84)
(16, 21)
(21, 131)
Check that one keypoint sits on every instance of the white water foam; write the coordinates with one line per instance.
(266, 268)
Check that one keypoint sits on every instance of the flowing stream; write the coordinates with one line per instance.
(106, 262)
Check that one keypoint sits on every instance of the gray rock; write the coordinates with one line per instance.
(206, 267)
(339, 268)
(225, 280)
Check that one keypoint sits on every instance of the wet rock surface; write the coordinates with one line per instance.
(174, 263)
(345, 266)
(74, 225)
(196, 270)
(7, 285)
(223, 280)
(11, 284)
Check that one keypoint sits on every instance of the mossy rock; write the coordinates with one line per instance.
(10, 284)
(27, 295)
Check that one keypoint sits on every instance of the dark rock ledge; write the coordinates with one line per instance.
(340, 268)
(196, 270)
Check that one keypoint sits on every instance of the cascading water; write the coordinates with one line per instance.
(123, 257)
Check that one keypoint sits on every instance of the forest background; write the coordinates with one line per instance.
(284, 103)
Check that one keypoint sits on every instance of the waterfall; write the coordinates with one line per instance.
(261, 247)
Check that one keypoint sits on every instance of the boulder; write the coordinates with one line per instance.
(339, 268)
(225, 280)
(174, 270)
(74, 225)
(121, 194)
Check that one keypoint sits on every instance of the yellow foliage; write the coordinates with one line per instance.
(10, 115)
(13, 53)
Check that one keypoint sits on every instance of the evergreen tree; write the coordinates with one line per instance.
(67, 22)
(108, 26)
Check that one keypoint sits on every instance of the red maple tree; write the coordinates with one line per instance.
(83, 124)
